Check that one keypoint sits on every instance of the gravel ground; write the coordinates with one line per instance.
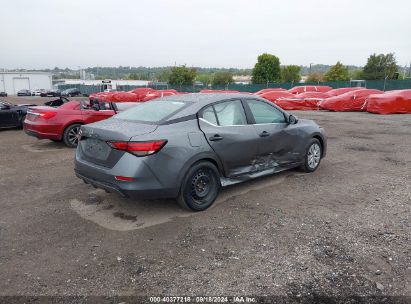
(341, 231)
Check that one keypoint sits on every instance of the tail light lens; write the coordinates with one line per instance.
(138, 148)
(47, 115)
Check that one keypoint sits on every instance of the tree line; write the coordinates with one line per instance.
(269, 70)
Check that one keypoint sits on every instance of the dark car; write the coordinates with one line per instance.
(51, 93)
(71, 92)
(12, 116)
(24, 93)
(3, 94)
(189, 146)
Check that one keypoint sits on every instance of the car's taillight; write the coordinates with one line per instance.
(47, 115)
(138, 148)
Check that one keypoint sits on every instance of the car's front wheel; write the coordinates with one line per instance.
(313, 156)
(200, 187)
(71, 135)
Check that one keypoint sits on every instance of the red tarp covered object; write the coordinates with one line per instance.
(274, 95)
(392, 102)
(303, 101)
(350, 101)
(136, 95)
(318, 95)
(309, 88)
(336, 92)
(268, 90)
(218, 91)
(159, 93)
(115, 96)
(141, 92)
(297, 103)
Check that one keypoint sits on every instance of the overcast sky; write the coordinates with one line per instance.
(207, 33)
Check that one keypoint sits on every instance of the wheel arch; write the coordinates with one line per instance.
(74, 122)
(322, 143)
(209, 157)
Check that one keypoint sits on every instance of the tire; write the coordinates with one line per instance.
(312, 157)
(69, 135)
(200, 187)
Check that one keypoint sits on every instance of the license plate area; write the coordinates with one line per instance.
(95, 148)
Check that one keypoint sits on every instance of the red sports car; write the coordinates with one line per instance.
(63, 123)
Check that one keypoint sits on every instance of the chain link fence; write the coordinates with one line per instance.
(370, 84)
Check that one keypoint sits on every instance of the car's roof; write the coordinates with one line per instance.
(200, 100)
(207, 98)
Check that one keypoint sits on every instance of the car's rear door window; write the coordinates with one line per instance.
(209, 115)
(230, 113)
(264, 113)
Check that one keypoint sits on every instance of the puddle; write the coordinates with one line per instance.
(116, 213)
(44, 146)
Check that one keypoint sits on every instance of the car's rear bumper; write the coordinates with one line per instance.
(144, 185)
(43, 131)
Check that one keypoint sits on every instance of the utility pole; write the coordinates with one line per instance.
(310, 67)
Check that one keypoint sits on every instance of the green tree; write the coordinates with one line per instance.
(182, 75)
(291, 73)
(315, 77)
(380, 66)
(267, 69)
(357, 74)
(222, 78)
(205, 78)
(338, 72)
(133, 76)
(164, 76)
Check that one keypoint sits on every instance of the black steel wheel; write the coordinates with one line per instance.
(200, 187)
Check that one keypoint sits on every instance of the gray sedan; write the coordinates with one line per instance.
(189, 146)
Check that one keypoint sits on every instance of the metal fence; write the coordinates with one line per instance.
(370, 84)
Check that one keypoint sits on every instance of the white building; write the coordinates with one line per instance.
(105, 84)
(12, 82)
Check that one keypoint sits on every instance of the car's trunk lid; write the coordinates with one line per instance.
(93, 145)
(33, 113)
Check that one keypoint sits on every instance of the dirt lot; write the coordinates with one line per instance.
(343, 230)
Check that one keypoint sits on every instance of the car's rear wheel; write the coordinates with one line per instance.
(71, 135)
(313, 156)
(200, 187)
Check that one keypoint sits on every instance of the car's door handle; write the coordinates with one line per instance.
(264, 134)
(216, 137)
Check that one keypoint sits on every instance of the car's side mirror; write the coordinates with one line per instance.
(292, 120)
(96, 107)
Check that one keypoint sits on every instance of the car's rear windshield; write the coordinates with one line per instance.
(153, 111)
